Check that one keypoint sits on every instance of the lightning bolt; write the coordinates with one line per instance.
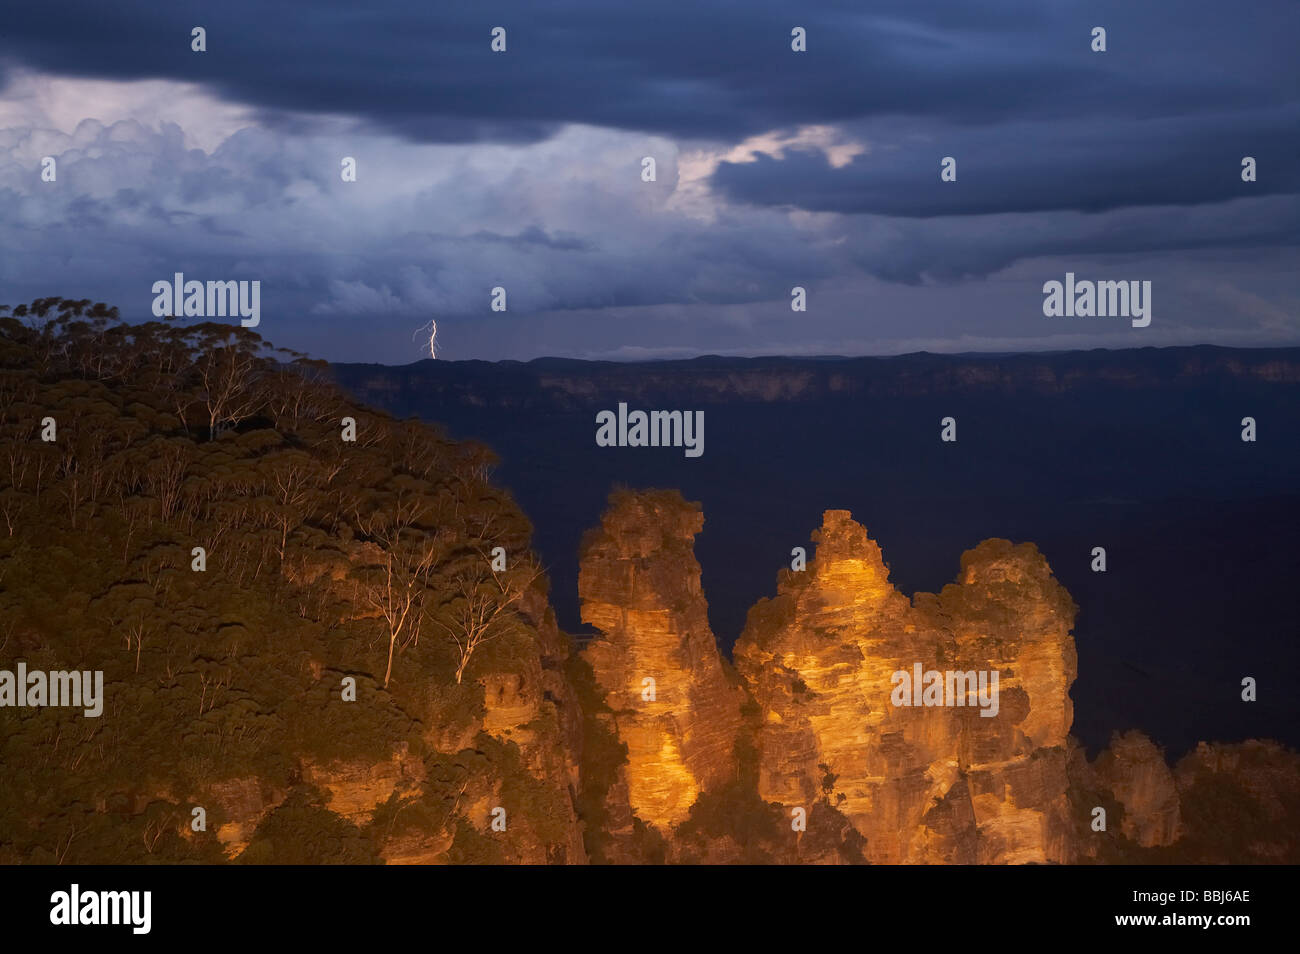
(432, 329)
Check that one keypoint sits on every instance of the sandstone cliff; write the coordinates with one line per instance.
(705, 770)
(671, 700)
(562, 384)
(1220, 804)
(1133, 771)
(516, 747)
(921, 783)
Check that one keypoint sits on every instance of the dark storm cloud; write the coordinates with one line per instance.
(911, 251)
(1132, 156)
(702, 69)
(534, 236)
(1085, 166)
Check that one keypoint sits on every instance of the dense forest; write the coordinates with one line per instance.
(234, 544)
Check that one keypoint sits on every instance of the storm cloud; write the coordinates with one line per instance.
(774, 168)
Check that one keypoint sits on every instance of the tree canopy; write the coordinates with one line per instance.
(179, 509)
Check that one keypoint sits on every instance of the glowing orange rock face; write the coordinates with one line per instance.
(930, 783)
(923, 783)
(676, 706)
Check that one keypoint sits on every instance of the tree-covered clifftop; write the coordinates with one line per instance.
(236, 546)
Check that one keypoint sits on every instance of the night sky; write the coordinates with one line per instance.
(774, 169)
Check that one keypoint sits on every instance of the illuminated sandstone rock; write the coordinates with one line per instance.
(240, 805)
(921, 783)
(640, 586)
(354, 788)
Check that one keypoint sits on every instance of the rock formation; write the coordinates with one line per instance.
(529, 712)
(240, 804)
(355, 788)
(656, 662)
(1239, 802)
(1135, 772)
(929, 783)
(1220, 804)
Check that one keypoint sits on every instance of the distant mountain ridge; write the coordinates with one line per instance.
(578, 383)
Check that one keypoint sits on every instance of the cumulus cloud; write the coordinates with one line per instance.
(427, 228)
